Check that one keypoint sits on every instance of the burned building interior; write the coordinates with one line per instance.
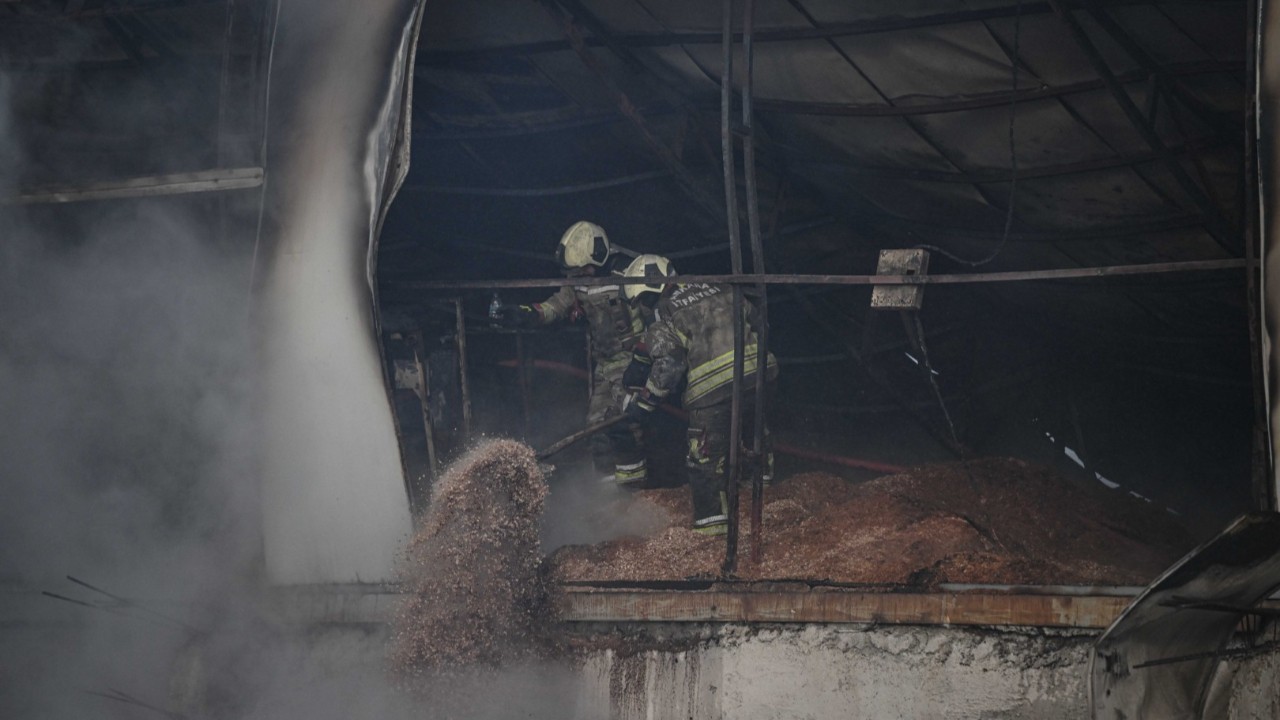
(1011, 260)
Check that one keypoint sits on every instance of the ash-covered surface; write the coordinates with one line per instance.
(476, 595)
(995, 520)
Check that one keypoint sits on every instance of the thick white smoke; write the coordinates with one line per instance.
(126, 441)
(132, 435)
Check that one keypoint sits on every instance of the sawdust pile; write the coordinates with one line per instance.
(995, 520)
(476, 597)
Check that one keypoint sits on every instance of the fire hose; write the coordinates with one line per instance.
(782, 448)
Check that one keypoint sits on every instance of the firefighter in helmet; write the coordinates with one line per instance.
(614, 327)
(691, 340)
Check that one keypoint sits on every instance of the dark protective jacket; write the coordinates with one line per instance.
(614, 325)
(693, 333)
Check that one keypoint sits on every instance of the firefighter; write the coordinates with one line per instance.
(691, 340)
(614, 326)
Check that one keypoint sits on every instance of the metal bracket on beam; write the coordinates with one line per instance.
(909, 262)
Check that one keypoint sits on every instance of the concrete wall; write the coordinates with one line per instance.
(321, 655)
(844, 672)
(759, 671)
(1254, 688)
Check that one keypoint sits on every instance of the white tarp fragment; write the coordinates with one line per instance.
(334, 502)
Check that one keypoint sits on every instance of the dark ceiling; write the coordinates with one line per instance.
(1116, 131)
(881, 126)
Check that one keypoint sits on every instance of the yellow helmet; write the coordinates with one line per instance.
(583, 244)
(655, 268)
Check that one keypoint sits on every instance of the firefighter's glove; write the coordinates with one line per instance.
(639, 406)
(521, 316)
(637, 373)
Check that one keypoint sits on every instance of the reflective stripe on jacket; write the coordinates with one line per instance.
(693, 335)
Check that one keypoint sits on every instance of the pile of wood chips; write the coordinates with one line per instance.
(476, 597)
(994, 520)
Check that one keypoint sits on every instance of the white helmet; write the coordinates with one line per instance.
(583, 244)
(655, 268)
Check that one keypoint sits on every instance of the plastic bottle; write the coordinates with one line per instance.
(495, 309)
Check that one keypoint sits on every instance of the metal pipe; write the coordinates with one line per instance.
(1261, 465)
(460, 338)
(757, 262)
(538, 192)
(735, 262)
(803, 279)
(147, 186)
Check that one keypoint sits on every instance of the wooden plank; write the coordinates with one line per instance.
(838, 606)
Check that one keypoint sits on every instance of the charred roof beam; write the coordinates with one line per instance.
(1163, 79)
(664, 154)
(986, 100)
(916, 126)
(427, 56)
(1217, 226)
(1002, 176)
(1084, 122)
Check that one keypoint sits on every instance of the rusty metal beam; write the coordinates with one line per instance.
(800, 279)
(1262, 464)
(841, 606)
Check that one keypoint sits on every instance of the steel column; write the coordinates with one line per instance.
(735, 262)
(757, 263)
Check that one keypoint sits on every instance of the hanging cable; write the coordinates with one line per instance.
(1013, 156)
(933, 382)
